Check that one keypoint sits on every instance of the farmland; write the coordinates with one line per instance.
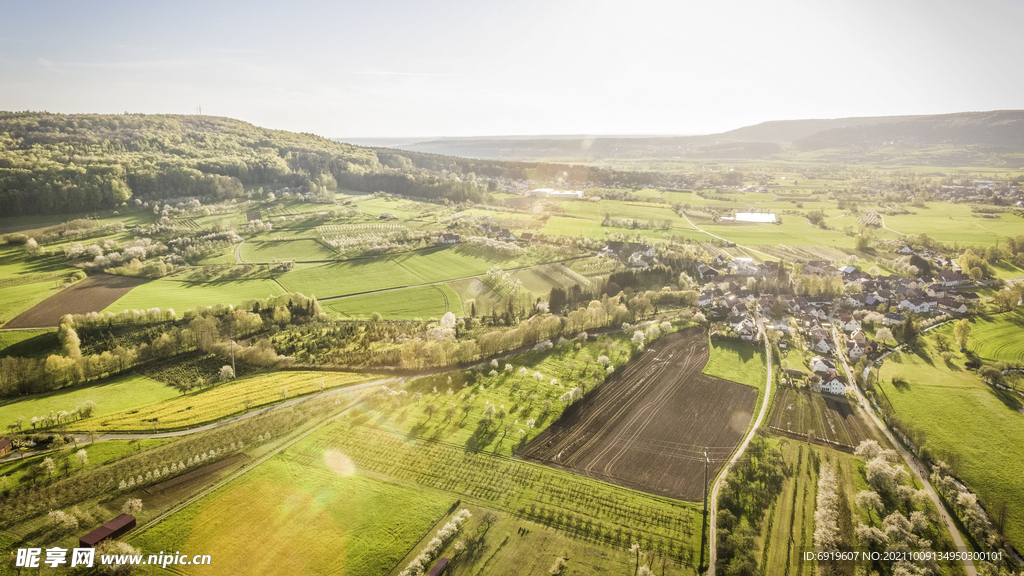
(989, 427)
(663, 420)
(171, 293)
(220, 401)
(405, 303)
(995, 338)
(299, 250)
(828, 419)
(565, 387)
(323, 514)
(89, 295)
(123, 393)
(523, 388)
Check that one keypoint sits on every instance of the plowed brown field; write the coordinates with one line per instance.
(647, 428)
(90, 295)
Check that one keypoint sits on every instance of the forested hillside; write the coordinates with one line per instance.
(57, 163)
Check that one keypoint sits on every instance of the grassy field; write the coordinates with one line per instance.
(989, 428)
(739, 362)
(405, 304)
(27, 342)
(299, 250)
(171, 293)
(362, 275)
(220, 401)
(112, 395)
(314, 517)
(994, 338)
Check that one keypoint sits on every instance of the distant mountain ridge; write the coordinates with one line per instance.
(1000, 131)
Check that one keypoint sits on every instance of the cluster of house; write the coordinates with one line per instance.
(736, 305)
(502, 234)
(982, 192)
(635, 254)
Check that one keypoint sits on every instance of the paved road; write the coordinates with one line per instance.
(916, 466)
(238, 252)
(713, 503)
(83, 439)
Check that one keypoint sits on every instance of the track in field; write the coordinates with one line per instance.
(647, 427)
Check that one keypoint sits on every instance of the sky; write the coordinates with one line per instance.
(475, 68)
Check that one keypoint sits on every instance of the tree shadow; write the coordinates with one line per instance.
(1008, 398)
(482, 436)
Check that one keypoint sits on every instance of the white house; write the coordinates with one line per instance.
(855, 350)
(831, 384)
(821, 345)
(848, 323)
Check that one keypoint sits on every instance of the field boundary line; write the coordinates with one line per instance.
(713, 502)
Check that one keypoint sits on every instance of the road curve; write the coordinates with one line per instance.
(238, 252)
(713, 503)
(915, 465)
(685, 217)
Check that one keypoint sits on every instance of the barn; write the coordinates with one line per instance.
(112, 529)
(438, 568)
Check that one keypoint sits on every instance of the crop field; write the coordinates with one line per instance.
(648, 426)
(989, 428)
(300, 249)
(314, 517)
(111, 395)
(221, 401)
(169, 292)
(404, 304)
(591, 511)
(831, 419)
(90, 295)
(499, 547)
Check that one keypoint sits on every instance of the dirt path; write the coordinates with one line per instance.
(713, 502)
(238, 252)
(685, 217)
(916, 466)
(882, 218)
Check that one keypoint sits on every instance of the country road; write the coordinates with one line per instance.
(915, 465)
(83, 439)
(713, 503)
(238, 252)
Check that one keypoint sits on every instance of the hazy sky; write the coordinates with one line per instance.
(456, 68)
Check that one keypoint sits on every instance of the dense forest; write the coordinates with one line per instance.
(65, 163)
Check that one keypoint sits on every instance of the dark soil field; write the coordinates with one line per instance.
(648, 426)
(832, 419)
(90, 295)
